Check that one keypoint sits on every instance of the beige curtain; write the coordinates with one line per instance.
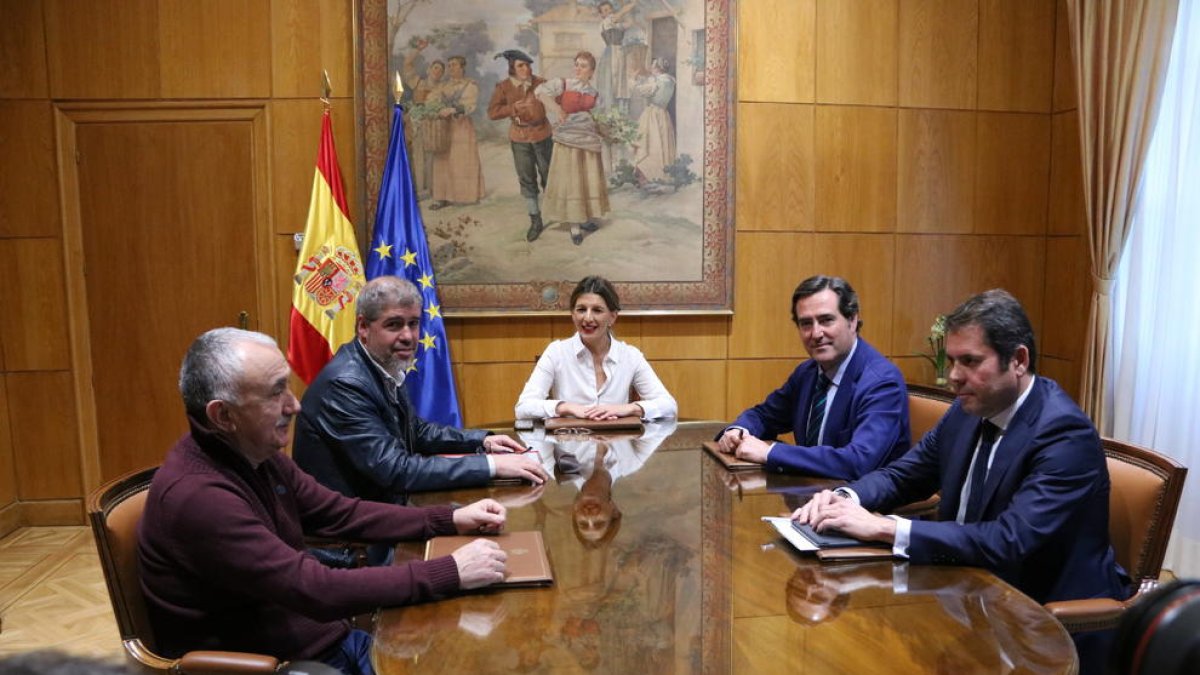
(1121, 52)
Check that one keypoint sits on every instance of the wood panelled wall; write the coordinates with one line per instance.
(154, 54)
(924, 149)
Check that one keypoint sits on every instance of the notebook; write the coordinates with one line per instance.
(730, 462)
(527, 563)
(579, 425)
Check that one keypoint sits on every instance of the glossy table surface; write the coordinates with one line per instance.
(662, 565)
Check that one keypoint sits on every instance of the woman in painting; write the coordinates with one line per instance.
(576, 189)
(457, 172)
(590, 375)
(654, 149)
(422, 88)
(610, 71)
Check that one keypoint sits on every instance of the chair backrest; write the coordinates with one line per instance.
(1146, 488)
(114, 511)
(926, 405)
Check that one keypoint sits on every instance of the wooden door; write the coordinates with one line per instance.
(169, 221)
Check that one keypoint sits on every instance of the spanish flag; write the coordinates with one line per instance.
(329, 273)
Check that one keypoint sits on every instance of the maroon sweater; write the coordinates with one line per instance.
(222, 561)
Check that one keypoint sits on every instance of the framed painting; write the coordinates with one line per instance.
(553, 139)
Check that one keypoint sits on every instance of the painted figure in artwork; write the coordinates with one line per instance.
(528, 131)
(654, 149)
(422, 87)
(457, 171)
(610, 71)
(577, 190)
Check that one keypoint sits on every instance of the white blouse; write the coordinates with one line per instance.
(565, 373)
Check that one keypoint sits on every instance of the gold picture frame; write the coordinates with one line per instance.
(667, 241)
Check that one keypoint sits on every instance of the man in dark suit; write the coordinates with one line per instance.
(357, 432)
(847, 406)
(1022, 475)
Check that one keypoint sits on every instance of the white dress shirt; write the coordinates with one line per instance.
(565, 373)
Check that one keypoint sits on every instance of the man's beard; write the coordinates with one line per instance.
(397, 367)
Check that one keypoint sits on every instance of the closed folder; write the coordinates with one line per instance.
(825, 541)
(730, 462)
(854, 553)
(527, 563)
(630, 423)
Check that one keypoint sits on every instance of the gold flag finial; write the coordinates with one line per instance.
(326, 88)
(399, 89)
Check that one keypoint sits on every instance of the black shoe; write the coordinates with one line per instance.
(589, 226)
(577, 238)
(535, 227)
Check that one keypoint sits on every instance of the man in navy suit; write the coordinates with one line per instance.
(847, 406)
(1022, 475)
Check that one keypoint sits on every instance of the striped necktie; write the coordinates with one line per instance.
(816, 413)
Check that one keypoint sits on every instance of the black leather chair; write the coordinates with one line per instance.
(1158, 635)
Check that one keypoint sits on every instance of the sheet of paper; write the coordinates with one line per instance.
(785, 529)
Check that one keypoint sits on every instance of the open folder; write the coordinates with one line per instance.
(527, 563)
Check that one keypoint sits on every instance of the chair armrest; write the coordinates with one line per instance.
(1079, 616)
(227, 662)
(142, 659)
(1088, 614)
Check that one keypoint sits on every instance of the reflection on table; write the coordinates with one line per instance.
(661, 564)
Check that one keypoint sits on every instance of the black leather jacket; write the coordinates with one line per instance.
(354, 437)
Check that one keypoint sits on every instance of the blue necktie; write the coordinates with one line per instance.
(987, 437)
(816, 413)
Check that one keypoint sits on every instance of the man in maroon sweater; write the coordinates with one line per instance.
(221, 544)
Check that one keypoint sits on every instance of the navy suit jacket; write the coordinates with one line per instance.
(1044, 524)
(355, 438)
(865, 427)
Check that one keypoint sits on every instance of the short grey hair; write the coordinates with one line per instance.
(383, 293)
(212, 368)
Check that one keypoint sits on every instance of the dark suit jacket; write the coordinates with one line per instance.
(355, 438)
(1044, 526)
(865, 428)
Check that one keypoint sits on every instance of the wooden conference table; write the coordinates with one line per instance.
(662, 565)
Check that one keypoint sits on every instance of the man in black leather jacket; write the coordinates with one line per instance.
(357, 432)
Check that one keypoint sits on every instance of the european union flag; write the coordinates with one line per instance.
(399, 248)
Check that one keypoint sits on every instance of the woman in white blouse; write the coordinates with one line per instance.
(590, 375)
